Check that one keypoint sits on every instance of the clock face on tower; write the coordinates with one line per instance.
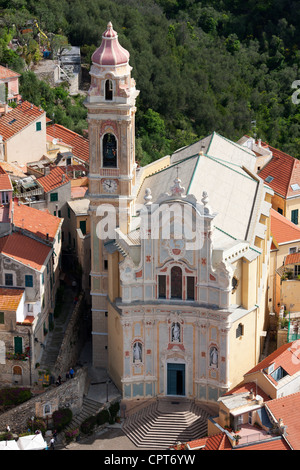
(110, 186)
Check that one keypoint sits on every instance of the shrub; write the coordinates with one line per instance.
(113, 409)
(102, 417)
(10, 397)
(37, 424)
(6, 436)
(88, 424)
(61, 418)
(71, 435)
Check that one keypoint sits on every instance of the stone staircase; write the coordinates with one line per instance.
(89, 408)
(165, 422)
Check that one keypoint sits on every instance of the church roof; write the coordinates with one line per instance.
(110, 52)
(224, 171)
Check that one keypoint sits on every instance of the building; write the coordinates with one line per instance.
(26, 269)
(9, 88)
(23, 134)
(66, 144)
(282, 173)
(80, 238)
(171, 317)
(262, 411)
(285, 242)
(30, 258)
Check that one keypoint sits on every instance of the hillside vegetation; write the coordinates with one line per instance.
(201, 66)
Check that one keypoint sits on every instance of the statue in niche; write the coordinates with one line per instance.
(213, 357)
(175, 333)
(137, 352)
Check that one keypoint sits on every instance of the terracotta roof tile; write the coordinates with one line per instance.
(284, 169)
(282, 229)
(38, 222)
(219, 441)
(80, 145)
(19, 118)
(25, 250)
(288, 409)
(56, 178)
(5, 183)
(10, 298)
(293, 258)
(7, 73)
(287, 357)
(247, 387)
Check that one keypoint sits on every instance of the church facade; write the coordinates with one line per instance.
(180, 251)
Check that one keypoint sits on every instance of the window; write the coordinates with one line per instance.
(18, 343)
(53, 197)
(297, 270)
(109, 151)
(28, 280)
(59, 214)
(82, 225)
(190, 288)
(278, 374)
(108, 90)
(69, 213)
(293, 250)
(176, 283)
(280, 211)
(105, 264)
(161, 287)
(295, 216)
(38, 126)
(17, 370)
(234, 283)
(269, 179)
(239, 331)
(30, 308)
(9, 281)
(1, 318)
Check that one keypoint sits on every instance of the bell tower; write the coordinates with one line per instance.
(112, 171)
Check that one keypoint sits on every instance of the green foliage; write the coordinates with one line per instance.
(11, 397)
(102, 417)
(6, 436)
(38, 424)
(61, 418)
(200, 66)
(114, 409)
(88, 424)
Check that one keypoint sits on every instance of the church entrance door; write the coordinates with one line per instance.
(176, 379)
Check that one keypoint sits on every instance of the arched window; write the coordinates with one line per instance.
(17, 370)
(108, 90)
(109, 151)
(176, 283)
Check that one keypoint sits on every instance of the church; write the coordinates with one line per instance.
(179, 251)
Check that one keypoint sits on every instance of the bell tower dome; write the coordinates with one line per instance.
(112, 167)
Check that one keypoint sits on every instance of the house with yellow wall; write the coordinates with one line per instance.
(285, 242)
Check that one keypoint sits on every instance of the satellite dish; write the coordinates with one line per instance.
(54, 141)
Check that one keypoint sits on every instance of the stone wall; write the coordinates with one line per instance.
(68, 395)
(73, 341)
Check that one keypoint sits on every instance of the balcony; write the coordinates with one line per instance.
(249, 434)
